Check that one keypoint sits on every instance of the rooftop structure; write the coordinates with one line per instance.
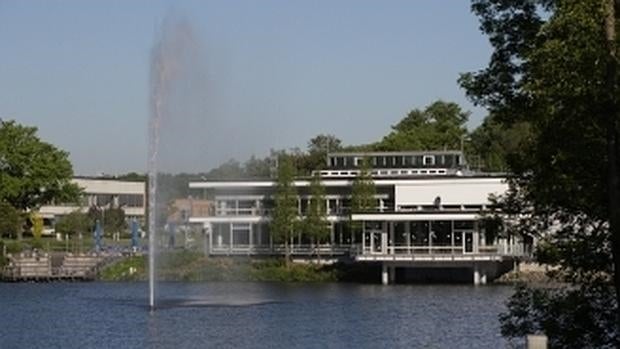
(396, 164)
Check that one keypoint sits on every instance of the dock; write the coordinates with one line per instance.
(45, 267)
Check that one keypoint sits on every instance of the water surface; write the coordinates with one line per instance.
(250, 315)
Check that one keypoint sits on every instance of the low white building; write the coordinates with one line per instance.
(101, 193)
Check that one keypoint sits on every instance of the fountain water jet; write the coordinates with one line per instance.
(170, 63)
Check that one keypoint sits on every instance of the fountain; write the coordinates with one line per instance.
(172, 60)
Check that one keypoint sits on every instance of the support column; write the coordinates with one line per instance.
(408, 237)
(391, 241)
(208, 238)
(480, 275)
(384, 274)
(259, 234)
(250, 238)
(392, 275)
(230, 237)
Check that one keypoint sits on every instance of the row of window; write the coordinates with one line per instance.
(386, 173)
(387, 161)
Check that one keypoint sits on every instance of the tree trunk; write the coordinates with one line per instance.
(287, 253)
(613, 151)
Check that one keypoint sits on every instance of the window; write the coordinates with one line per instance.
(104, 199)
(131, 200)
(241, 233)
(340, 162)
(332, 162)
(429, 160)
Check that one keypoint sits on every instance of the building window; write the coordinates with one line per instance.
(429, 160)
(131, 200)
(104, 199)
(241, 234)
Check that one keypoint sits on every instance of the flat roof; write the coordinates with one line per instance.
(396, 153)
(266, 183)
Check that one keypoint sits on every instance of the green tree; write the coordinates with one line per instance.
(555, 66)
(493, 143)
(75, 222)
(32, 172)
(10, 220)
(257, 168)
(318, 148)
(37, 225)
(315, 224)
(114, 220)
(362, 195)
(441, 125)
(284, 216)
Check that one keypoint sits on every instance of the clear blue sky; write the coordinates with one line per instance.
(285, 70)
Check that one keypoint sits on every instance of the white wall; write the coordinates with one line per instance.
(453, 191)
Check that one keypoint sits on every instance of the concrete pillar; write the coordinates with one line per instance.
(208, 227)
(391, 243)
(392, 275)
(536, 341)
(230, 237)
(384, 274)
(250, 238)
(408, 237)
(480, 275)
(259, 233)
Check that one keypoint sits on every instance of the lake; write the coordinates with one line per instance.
(250, 315)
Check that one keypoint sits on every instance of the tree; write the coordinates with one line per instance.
(37, 225)
(10, 220)
(32, 172)
(257, 168)
(315, 224)
(114, 220)
(284, 216)
(73, 223)
(317, 150)
(441, 125)
(555, 67)
(493, 143)
(362, 194)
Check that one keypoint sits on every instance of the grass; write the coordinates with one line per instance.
(132, 268)
(194, 266)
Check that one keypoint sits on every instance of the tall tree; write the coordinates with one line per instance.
(318, 147)
(554, 66)
(32, 172)
(492, 143)
(75, 222)
(441, 125)
(284, 216)
(315, 224)
(114, 220)
(10, 220)
(362, 195)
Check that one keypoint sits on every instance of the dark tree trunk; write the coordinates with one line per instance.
(613, 151)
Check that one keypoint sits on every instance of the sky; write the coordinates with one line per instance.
(267, 74)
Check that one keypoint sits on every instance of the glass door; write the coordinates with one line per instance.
(468, 241)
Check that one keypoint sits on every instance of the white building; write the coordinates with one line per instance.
(101, 193)
(427, 215)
